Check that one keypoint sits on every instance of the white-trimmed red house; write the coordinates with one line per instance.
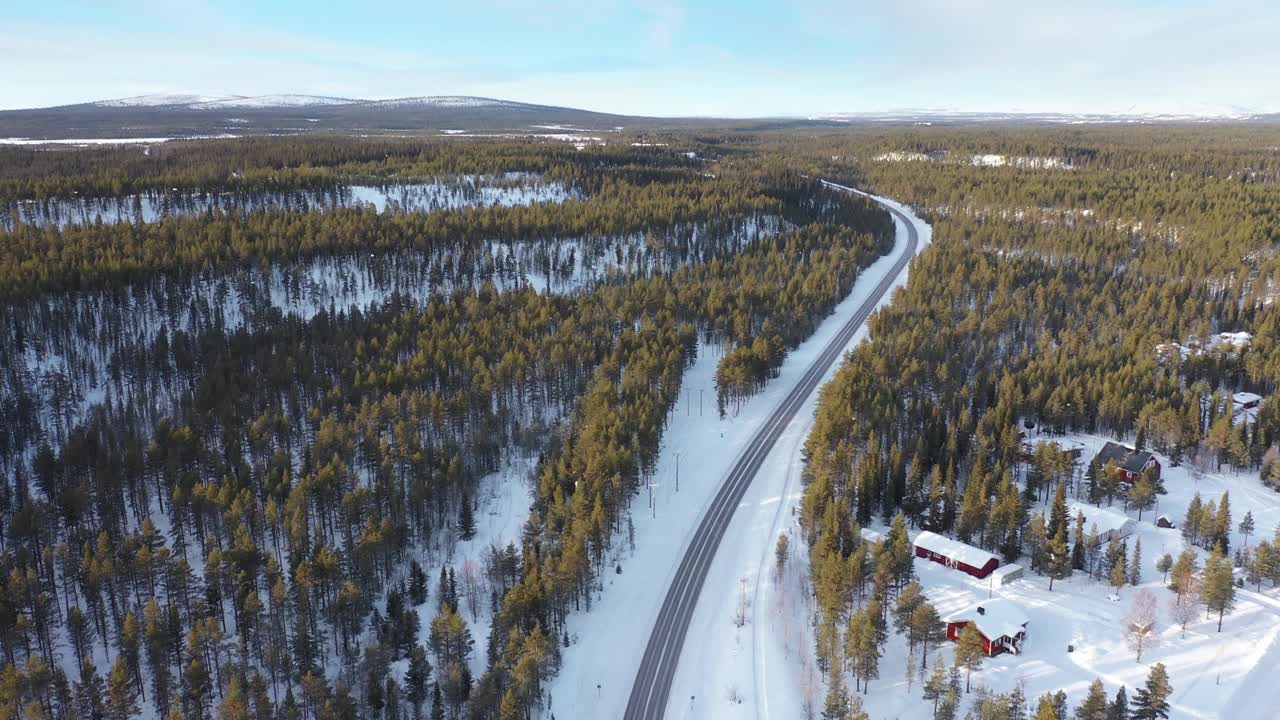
(955, 554)
(1130, 462)
(1245, 400)
(1002, 624)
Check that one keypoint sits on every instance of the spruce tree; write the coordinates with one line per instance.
(466, 518)
(1119, 707)
(1151, 702)
(417, 583)
(1135, 564)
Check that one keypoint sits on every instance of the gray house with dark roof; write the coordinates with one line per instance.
(1131, 462)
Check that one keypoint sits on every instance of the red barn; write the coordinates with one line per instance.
(1002, 624)
(1130, 462)
(955, 554)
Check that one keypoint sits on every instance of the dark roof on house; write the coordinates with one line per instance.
(1125, 457)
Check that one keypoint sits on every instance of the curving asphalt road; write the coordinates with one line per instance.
(652, 686)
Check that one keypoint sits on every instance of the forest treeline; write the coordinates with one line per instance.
(1042, 301)
(253, 529)
(40, 259)
(300, 162)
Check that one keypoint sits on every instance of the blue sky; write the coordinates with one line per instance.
(661, 57)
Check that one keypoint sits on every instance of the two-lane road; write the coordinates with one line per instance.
(652, 686)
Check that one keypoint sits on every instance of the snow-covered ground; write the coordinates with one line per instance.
(1214, 675)
(609, 641)
(509, 190)
(106, 141)
(502, 507)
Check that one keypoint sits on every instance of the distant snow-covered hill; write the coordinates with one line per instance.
(189, 115)
(165, 99)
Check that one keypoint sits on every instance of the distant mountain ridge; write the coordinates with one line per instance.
(285, 100)
(186, 115)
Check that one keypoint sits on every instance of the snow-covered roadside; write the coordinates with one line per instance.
(761, 668)
(609, 641)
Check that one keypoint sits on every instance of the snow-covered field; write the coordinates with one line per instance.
(608, 642)
(1214, 675)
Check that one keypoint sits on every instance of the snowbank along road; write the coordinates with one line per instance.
(652, 686)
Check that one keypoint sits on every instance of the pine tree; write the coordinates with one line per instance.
(1080, 550)
(89, 693)
(781, 552)
(1219, 592)
(935, 686)
(949, 707)
(1057, 561)
(1247, 526)
(122, 702)
(1058, 512)
(1142, 494)
(1119, 576)
(234, 705)
(862, 646)
(927, 630)
(1183, 572)
(970, 653)
(836, 706)
(1222, 524)
(1046, 709)
(1151, 702)
(1094, 706)
(416, 677)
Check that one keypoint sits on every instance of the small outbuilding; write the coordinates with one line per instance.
(1164, 522)
(1111, 523)
(955, 554)
(1006, 574)
(1002, 624)
(1131, 462)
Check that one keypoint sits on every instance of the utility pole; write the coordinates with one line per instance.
(677, 471)
(700, 392)
(653, 504)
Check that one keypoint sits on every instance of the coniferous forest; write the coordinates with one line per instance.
(238, 440)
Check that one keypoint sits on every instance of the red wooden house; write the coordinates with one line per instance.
(1129, 461)
(1002, 624)
(955, 554)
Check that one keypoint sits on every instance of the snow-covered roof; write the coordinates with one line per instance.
(994, 618)
(1244, 398)
(954, 549)
(1106, 519)
(1236, 339)
(1003, 570)
(871, 536)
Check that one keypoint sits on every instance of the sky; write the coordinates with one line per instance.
(661, 57)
